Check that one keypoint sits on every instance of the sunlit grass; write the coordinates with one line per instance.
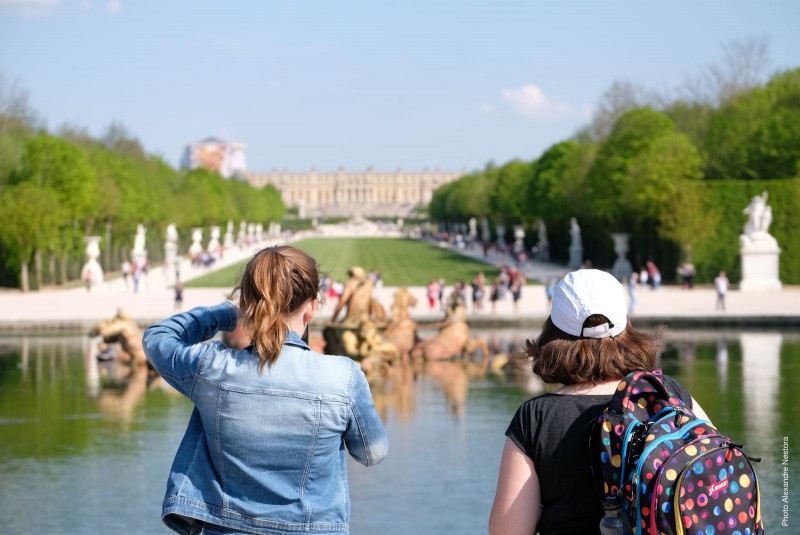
(401, 262)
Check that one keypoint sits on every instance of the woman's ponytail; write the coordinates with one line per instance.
(275, 283)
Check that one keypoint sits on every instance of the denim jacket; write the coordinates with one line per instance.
(264, 452)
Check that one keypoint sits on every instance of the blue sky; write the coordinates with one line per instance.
(409, 84)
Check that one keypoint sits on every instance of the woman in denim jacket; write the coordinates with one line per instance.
(264, 451)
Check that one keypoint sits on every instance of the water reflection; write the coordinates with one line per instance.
(761, 356)
(108, 429)
(722, 362)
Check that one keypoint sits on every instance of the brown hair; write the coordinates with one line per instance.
(275, 284)
(558, 357)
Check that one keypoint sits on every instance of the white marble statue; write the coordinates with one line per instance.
(473, 229)
(519, 237)
(574, 232)
(486, 235)
(92, 272)
(576, 245)
(139, 252)
(196, 248)
(241, 238)
(543, 245)
(251, 233)
(229, 241)
(214, 245)
(501, 236)
(760, 215)
(758, 248)
(171, 252)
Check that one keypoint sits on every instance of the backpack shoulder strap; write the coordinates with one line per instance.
(638, 386)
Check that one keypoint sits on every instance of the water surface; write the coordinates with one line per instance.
(82, 454)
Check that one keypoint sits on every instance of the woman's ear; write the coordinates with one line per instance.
(310, 310)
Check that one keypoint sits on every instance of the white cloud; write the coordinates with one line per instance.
(487, 109)
(530, 101)
(113, 7)
(30, 8)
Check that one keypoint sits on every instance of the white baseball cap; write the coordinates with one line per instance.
(583, 293)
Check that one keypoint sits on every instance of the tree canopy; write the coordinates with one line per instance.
(663, 174)
(57, 189)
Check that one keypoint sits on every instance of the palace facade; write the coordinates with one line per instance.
(347, 193)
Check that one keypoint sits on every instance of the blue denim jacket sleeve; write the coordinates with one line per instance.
(173, 346)
(365, 436)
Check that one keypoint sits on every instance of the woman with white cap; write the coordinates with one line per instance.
(587, 345)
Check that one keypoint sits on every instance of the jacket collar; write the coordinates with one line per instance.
(293, 339)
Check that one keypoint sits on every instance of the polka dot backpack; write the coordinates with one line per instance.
(663, 470)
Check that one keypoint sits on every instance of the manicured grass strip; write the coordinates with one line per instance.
(401, 262)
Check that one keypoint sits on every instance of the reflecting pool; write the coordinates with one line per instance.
(84, 452)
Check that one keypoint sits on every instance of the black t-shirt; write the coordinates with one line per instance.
(553, 430)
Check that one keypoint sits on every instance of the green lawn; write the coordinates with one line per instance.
(401, 262)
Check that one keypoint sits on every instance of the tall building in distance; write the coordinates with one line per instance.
(348, 193)
(226, 159)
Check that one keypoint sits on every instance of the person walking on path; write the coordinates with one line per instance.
(517, 283)
(265, 449)
(478, 291)
(653, 275)
(687, 272)
(549, 288)
(496, 294)
(721, 285)
(587, 345)
(126, 271)
(433, 293)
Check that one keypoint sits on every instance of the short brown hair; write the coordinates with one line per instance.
(558, 357)
(276, 283)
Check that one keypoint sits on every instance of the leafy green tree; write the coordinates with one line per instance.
(31, 214)
(508, 198)
(775, 147)
(558, 187)
(272, 204)
(732, 130)
(469, 196)
(118, 139)
(610, 178)
(50, 162)
(664, 188)
(438, 205)
(18, 121)
(692, 119)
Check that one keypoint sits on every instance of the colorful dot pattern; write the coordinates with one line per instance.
(692, 479)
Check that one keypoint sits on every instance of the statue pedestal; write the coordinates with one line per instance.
(759, 263)
(575, 257)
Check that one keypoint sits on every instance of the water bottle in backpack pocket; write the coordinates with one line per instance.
(672, 472)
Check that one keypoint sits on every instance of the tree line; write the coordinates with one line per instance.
(55, 189)
(675, 174)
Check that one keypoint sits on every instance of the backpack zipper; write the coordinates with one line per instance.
(660, 415)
